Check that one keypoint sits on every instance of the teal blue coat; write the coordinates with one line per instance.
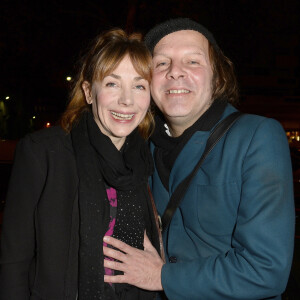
(233, 234)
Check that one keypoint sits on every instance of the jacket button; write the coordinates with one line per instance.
(173, 259)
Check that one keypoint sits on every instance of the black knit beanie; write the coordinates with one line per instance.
(173, 25)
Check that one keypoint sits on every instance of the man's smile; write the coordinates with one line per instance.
(181, 91)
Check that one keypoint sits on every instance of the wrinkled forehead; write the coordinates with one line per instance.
(190, 40)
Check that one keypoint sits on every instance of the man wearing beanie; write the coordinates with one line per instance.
(232, 231)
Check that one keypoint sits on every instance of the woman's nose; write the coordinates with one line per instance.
(126, 97)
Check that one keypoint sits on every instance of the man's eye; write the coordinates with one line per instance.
(110, 84)
(160, 64)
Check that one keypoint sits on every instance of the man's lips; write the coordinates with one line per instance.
(178, 91)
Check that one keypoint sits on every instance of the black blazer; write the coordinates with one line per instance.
(40, 233)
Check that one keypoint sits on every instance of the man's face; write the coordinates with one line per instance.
(182, 78)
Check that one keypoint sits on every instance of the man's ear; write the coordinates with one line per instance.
(87, 92)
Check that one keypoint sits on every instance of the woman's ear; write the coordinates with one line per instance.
(87, 92)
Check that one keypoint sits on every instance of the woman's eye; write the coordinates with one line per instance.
(110, 84)
(194, 62)
(140, 87)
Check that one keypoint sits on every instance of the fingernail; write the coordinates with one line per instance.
(106, 239)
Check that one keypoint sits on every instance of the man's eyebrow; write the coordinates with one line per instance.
(198, 52)
(159, 54)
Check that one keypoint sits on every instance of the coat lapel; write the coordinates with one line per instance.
(187, 159)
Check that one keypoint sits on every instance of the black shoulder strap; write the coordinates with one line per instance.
(181, 189)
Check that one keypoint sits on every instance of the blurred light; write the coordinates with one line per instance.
(293, 136)
(48, 124)
(33, 117)
(7, 97)
(69, 78)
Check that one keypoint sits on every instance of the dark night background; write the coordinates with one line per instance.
(41, 41)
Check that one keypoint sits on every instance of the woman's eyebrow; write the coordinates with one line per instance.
(115, 76)
(137, 78)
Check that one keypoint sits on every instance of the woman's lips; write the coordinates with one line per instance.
(122, 116)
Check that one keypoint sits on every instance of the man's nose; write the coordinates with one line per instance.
(126, 97)
(176, 71)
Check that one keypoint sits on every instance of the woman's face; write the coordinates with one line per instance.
(119, 102)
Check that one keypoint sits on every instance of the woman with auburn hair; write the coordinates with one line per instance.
(73, 184)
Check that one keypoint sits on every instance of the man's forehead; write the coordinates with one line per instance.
(183, 39)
